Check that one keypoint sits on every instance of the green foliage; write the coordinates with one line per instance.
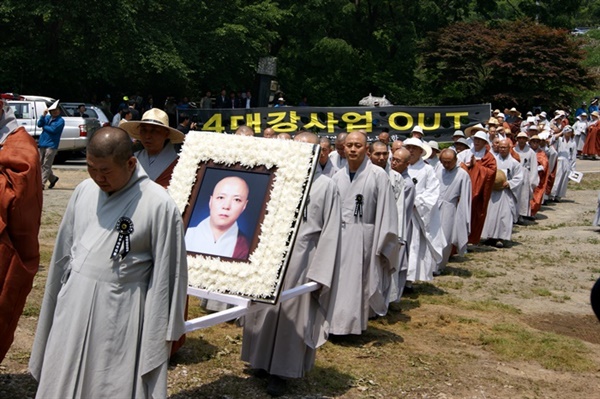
(333, 51)
(517, 63)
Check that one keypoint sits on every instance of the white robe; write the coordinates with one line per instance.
(530, 178)
(580, 131)
(596, 221)
(567, 157)
(455, 210)
(502, 210)
(282, 339)
(369, 247)
(106, 324)
(427, 239)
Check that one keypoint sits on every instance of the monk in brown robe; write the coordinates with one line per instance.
(482, 171)
(591, 148)
(540, 190)
(20, 218)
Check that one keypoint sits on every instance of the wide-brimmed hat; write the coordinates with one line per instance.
(543, 114)
(418, 143)
(535, 137)
(434, 145)
(513, 110)
(596, 114)
(583, 114)
(532, 127)
(482, 135)
(522, 134)
(458, 133)
(501, 115)
(499, 180)
(493, 121)
(594, 101)
(54, 106)
(156, 117)
(475, 128)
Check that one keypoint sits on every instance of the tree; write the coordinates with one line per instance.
(522, 64)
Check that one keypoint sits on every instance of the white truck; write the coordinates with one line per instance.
(74, 138)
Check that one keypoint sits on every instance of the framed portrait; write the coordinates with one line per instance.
(240, 198)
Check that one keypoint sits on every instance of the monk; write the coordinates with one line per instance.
(20, 217)
(542, 169)
(482, 170)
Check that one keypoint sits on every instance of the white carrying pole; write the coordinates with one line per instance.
(243, 306)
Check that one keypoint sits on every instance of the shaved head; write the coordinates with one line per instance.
(111, 142)
(307, 137)
(284, 136)
(244, 131)
(269, 133)
(400, 159)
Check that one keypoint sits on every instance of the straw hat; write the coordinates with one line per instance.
(522, 134)
(493, 121)
(475, 128)
(156, 117)
(499, 180)
(513, 110)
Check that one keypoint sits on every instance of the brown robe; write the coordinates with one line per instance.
(540, 190)
(165, 176)
(20, 218)
(592, 141)
(482, 173)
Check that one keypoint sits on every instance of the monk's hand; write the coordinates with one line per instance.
(505, 184)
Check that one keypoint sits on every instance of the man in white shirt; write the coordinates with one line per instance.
(219, 233)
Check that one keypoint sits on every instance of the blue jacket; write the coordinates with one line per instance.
(51, 131)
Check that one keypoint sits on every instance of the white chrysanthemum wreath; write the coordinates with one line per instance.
(257, 278)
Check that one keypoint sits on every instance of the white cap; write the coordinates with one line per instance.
(417, 129)
(458, 133)
(500, 115)
(481, 135)
(434, 145)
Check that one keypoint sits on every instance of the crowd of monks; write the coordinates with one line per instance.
(384, 215)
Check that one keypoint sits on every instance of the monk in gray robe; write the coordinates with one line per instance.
(379, 154)
(503, 209)
(326, 166)
(400, 163)
(283, 339)
(116, 286)
(338, 157)
(369, 240)
(528, 160)
(566, 160)
(159, 155)
(454, 204)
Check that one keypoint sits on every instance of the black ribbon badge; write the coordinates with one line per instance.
(358, 207)
(305, 212)
(125, 228)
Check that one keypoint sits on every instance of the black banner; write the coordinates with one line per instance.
(438, 123)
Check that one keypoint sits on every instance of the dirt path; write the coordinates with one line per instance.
(498, 323)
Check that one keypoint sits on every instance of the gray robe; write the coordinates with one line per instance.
(329, 169)
(567, 157)
(502, 210)
(369, 248)
(596, 221)
(106, 325)
(455, 210)
(159, 163)
(282, 339)
(337, 160)
(398, 183)
(530, 178)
